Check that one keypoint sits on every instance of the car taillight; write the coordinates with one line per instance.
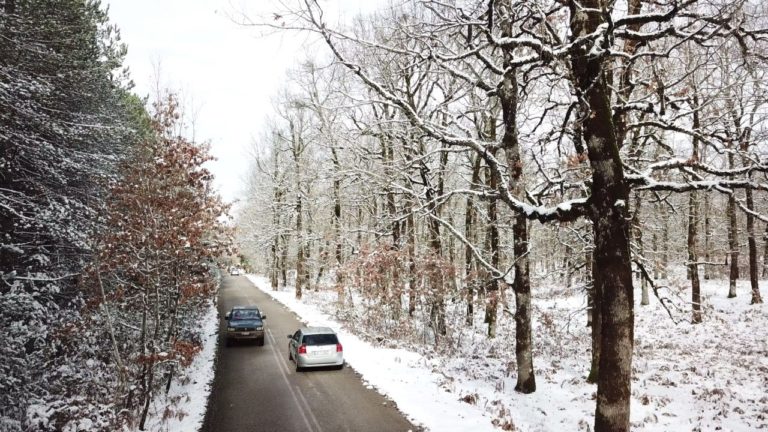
(339, 348)
(302, 349)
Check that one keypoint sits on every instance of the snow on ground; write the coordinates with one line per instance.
(706, 377)
(183, 408)
(409, 379)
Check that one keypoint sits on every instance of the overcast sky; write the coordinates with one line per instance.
(226, 72)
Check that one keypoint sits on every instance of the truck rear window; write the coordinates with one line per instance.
(246, 314)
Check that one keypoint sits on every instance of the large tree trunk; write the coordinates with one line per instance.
(412, 277)
(661, 243)
(469, 233)
(121, 371)
(299, 249)
(172, 330)
(568, 266)
(308, 254)
(284, 259)
(337, 229)
(693, 221)
(751, 241)
(608, 211)
(388, 153)
(752, 250)
(468, 260)
(395, 225)
(733, 245)
(707, 237)
(277, 195)
(322, 254)
(273, 271)
(638, 235)
(745, 136)
(492, 239)
(299, 211)
(437, 284)
(526, 380)
(145, 365)
(733, 239)
(664, 242)
(693, 268)
(150, 382)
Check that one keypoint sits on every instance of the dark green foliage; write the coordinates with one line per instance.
(66, 120)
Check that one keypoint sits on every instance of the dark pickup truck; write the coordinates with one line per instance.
(245, 323)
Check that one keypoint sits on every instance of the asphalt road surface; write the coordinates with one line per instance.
(257, 388)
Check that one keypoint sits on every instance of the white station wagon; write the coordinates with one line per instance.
(315, 347)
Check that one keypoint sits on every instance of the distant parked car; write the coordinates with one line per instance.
(234, 271)
(315, 347)
(245, 323)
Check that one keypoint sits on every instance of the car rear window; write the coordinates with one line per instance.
(321, 339)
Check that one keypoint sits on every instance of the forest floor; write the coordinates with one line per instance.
(706, 377)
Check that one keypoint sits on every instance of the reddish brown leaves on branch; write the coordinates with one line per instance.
(161, 239)
(163, 219)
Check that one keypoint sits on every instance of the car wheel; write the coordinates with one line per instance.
(340, 367)
(290, 357)
(228, 342)
(298, 368)
(261, 342)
